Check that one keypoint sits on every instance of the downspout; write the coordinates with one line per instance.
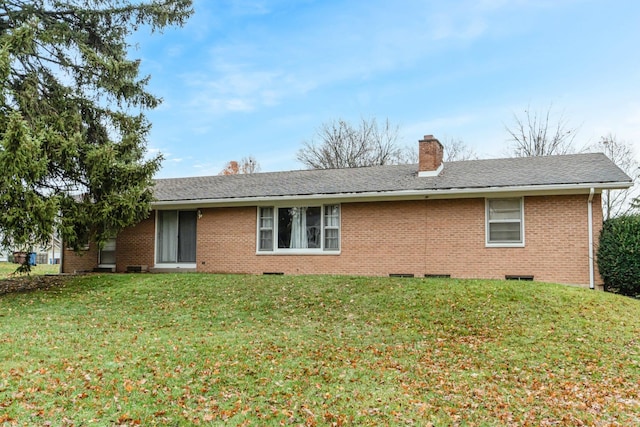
(61, 268)
(590, 221)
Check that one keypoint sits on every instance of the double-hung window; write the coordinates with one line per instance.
(107, 254)
(265, 229)
(299, 228)
(505, 222)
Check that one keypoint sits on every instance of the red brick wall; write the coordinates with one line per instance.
(227, 243)
(80, 262)
(556, 240)
(415, 237)
(136, 245)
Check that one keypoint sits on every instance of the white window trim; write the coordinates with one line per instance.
(259, 228)
(330, 227)
(296, 251)
(489, 244)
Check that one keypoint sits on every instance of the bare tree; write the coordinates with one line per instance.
(245, 166)
(536, 134)
(456, 149)
(339, 144)
(618, 202)
(249, 164)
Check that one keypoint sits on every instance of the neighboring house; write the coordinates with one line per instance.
(502, 218)
(49, 254)
(4, 252)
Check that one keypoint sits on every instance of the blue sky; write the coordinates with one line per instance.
(252, 77)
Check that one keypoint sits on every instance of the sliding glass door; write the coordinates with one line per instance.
(176, 238)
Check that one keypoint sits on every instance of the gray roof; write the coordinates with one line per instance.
(569, 170)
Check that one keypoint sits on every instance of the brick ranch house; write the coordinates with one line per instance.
(536, 217)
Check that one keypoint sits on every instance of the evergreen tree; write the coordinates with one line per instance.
(72, 125)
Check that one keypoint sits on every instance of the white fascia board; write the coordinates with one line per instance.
(456, 193)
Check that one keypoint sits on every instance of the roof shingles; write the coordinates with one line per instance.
(471, 174)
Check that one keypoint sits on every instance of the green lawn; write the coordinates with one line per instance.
(7, 269)
(284, 350)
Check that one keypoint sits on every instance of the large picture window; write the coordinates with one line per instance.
(299, 228)
(505, 222)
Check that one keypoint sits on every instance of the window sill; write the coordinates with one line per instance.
(84, 248)
(504, 245)
(177, 266)
(107, 265)
(298, 252)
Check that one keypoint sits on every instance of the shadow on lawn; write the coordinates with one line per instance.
(24, 283)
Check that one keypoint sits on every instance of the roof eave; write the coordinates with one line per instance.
(450, 193)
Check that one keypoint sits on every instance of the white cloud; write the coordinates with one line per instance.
(240, 88)
(252, 69)
(632, 118)
(462, 66)
(456, 27)
(208, 168)
(249, 7)
(174, 50)
(438, 125)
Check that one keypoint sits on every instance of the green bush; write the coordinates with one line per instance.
(619, 255)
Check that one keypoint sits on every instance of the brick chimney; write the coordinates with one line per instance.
(430, 153)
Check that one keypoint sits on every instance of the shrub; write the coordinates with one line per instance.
(619, 255)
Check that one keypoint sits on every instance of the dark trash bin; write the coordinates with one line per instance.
(19, 257)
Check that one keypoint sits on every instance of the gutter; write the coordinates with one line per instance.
(590, 224)
(61, 267)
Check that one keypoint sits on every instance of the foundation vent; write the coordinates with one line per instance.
(518, 277)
